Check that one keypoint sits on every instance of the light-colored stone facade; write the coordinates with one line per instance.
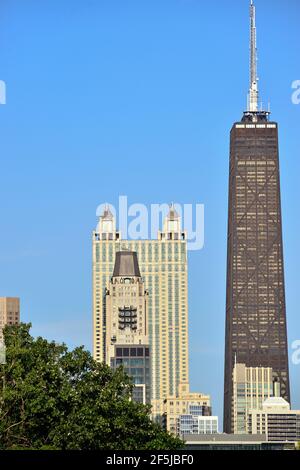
(174, 406)
(251, 387)
(163, 266)
(9, 313)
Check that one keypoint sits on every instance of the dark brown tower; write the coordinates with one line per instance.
(256, 332)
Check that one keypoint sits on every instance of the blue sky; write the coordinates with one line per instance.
(112, 97)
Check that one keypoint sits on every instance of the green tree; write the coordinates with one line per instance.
(55, 398)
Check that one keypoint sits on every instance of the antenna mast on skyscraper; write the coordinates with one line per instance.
(253, 112)
(253, 91)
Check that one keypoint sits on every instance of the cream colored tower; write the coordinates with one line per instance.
(125, 305)
(127, 342)
(9, 313)
(163, 265)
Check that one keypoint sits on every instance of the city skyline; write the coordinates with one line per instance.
(55, 222)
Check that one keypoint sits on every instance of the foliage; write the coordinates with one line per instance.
(58, 399)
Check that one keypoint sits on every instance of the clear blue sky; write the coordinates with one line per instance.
(110, 97)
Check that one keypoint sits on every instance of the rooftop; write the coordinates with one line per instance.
(227, 438)
(126, 264)
(277, 402)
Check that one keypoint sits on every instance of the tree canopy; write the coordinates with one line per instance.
(54, 398)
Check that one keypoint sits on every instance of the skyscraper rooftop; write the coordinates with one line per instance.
(126, 264)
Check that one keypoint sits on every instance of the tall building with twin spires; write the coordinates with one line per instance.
(256, 331)
(163, 268)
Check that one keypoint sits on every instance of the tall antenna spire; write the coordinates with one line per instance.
(253, 113)
(253, 91)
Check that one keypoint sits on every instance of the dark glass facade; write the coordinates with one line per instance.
(256, 333)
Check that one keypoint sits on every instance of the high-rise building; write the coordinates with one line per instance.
(163, 267)
(251, 387)
(9, 313)
(276, 420)
(256, 332)
(127, 342)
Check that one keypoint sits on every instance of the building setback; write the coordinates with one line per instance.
(256, 331)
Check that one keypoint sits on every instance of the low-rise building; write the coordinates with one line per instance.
(175, 406)
(197, 424)
(234, 442)
(276, 421)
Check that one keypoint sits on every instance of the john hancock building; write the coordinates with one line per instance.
(159, 269)
(256, 331)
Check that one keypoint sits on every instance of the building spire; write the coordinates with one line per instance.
(253, 91)
(254, 113)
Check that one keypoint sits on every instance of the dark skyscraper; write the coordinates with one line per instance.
(256, 333)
